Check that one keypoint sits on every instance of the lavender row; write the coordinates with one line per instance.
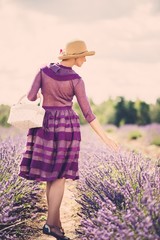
(149, 134)
(119, 194)
(18, 197)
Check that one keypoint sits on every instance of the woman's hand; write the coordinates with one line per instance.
(111, 144)
(38, 95)
(99, 130)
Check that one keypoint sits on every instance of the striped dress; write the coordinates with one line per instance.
(52, 151)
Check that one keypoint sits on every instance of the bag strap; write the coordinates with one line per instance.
(21, 98)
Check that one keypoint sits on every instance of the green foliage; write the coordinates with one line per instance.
(143, 113)
(125, 112)
(109, 130)
(120, 111)
(129, 112)
(156, 141)
(135, 135)
(155, 111)
(4, 113)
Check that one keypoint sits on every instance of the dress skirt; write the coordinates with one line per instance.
(52, 151)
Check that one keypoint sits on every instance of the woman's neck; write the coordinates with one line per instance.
(68, 62)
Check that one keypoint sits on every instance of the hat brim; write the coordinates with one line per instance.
(88, 53)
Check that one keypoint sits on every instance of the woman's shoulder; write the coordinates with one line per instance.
(59, 72)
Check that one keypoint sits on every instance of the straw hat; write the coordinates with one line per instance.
(75, 49)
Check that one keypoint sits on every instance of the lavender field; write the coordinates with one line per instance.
(118, 193)
(18, 197)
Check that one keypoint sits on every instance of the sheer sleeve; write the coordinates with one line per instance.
(36, 85)
(80, 93)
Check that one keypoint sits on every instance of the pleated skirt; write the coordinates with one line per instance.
(52, 151)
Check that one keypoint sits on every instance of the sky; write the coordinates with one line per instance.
(124, 34)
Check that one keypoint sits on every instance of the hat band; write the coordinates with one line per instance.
(76, 53)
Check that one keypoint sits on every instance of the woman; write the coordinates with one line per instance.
(52, 151)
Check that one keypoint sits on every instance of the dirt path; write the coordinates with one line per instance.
(69, 209)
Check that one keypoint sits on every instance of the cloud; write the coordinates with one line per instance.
(125, 35)
(81, 11)
(90, 10)
(155, 6)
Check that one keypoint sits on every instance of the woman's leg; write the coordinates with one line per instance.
(48, 184)
(54, 192)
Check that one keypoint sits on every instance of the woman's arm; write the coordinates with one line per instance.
(80, 92)
(89, 116)
(36, 85)
(101, 133)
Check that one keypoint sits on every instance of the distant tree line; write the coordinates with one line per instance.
(121, 111)
(118, 111)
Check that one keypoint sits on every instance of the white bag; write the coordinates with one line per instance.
(26, 115)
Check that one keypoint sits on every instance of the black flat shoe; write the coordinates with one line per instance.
(62, 230)
(47, 230)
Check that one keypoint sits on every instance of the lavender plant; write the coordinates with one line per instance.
(153, 132)
(149, 133)
(18, 197)
(119, 195)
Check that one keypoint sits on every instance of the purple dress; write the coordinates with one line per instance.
(52, 151)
